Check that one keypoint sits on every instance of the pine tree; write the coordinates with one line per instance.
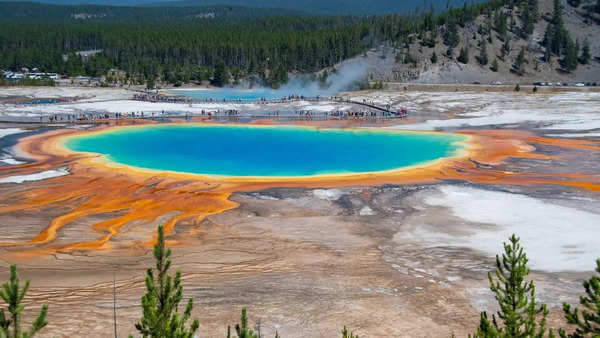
(513, 22)
(434, 58)
(221, 75)
(463, 57)
(519, 61)
(556, 31)
(151, 83)
(160, 304)
(585, 52)
(548, 44)
(483, 55)
(519, 310)
(494, 66)
(529, 16)
(348, 334)
(451, 37)
(486, 329)
(243, 331)
(501, 26)
(278, 76)
(518, 88)
(588, 324)
(13, 296)
(557, 14)
(569, 62)
(465, 14)
(505, 48)
(557, 40)
(535, 11)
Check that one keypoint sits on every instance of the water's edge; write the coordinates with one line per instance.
(267, 151)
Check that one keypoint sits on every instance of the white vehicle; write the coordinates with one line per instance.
(579, 84)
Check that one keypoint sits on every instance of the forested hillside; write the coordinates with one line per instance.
(36, 12)
(512, 36)
(522, 41)
(178, 51)
(331, 7)
(187, 50)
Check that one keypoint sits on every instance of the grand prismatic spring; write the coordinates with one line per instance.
(265, 150)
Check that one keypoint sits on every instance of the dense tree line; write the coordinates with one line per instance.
(330, 7)
(265, 49)
(184, 51)
(19, 12)
(178, 51)
(27, 82)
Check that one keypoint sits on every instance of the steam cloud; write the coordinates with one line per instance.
(347, 75)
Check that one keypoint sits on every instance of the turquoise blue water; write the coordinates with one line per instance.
(264, 151)
(231, 94)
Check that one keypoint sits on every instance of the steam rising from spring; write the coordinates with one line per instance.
(346, 76)
(349, 74)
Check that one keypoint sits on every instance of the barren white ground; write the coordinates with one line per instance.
(110, 100)
(557, 238)
(550, 113)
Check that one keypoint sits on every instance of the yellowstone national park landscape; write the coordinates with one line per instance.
(315, 166)
(405, 250)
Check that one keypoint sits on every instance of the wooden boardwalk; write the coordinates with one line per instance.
(306, 114)
(386, 110)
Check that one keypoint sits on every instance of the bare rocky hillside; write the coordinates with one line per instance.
(414, 64)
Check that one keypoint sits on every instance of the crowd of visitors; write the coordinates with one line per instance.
(303, 114)
(372, 110)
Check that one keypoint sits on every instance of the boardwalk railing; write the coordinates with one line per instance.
(75, 117)
(185, 99)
